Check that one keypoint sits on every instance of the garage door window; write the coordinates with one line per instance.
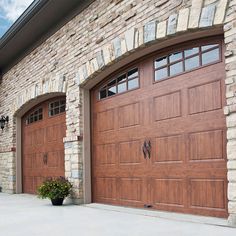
(57, 107)
(186, 60)
(35, 116)
(120, 84)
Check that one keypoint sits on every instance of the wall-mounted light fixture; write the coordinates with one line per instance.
(3, 121)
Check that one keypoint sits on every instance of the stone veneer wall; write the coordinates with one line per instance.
(8, 172)
(105, 32)
(230, 108)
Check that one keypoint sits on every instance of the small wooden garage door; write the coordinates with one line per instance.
(159, 133)
(43, 129)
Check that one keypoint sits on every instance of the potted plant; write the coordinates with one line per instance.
(56, 189)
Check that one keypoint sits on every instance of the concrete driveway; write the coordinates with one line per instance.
(26, 215)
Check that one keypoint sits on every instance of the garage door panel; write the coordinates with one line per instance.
(168, 191)
(105, 154)
(131, 190)
(53, 133)
(169, 149)
(207, 193)
(105, 189)
(129, 115)
(105, 120)
(206, 145)
(205, 97)
(29, 184)
(38, 160)
(130, 153)
(37, 137)
(167, 106)
(28, 163)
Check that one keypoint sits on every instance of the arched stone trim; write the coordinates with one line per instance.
(196, 17)
(25, 100)
(48, 87)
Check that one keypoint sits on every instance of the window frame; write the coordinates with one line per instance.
(105, 86)
(187, 45)
(32, 113)
(54, 101)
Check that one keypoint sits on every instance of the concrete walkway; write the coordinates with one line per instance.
(28, 216)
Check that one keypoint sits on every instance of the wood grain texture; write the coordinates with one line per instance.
(182, 117)
(40, 138)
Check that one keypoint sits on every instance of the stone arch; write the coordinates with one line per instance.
(38, 92)
(187, 21)
(25, 100)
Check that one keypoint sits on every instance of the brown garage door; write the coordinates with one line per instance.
(159, 133)
(43, 129)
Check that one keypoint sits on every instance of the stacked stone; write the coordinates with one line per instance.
(8, 173)
(230, 108)
(94, 40)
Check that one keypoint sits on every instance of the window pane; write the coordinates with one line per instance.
(51, 113)
(161, 62)
(103, 94)
(62, 109)
(56, 104)
(112, 91)
(63, 102)
(133, 73)
(112, 82)
(192, 63)
(133, 84)
(56, 111)
(176, 68)
(175, 56)
(122, 88)
(211, 56)
(204, 48)
(191, 51)
(161, 74)
(121, 78)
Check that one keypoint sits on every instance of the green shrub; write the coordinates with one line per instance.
(54, 188)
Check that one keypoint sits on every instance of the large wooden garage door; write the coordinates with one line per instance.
(159, 133)
(43, 129)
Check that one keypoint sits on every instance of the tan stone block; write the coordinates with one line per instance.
(94, 65)
(67, 166)
(232, 190)
(231, 120)
(183, 20)
(129, 39)
(136, 39)
(161, 29)
(232, 207)
(229, 80)
(107, 54)
(231, 165)
(232, 178)
(123, 46)
(226, 110)
(195, 13)
(140, 36)
(231, 133)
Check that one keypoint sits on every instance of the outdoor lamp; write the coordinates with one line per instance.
(3, 120)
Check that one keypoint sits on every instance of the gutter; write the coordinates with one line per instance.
(21, 21)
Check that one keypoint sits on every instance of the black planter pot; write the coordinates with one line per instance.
(57, 201)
